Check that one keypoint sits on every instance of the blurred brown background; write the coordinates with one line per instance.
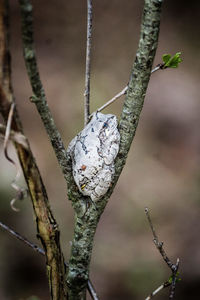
(162, 170)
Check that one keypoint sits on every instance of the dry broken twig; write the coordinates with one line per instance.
(173, 267)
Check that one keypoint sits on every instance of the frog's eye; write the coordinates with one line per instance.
(105, 125)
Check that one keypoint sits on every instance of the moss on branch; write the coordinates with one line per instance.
(140, 75)
(87, 217)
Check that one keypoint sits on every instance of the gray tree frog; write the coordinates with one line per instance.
(93, 152)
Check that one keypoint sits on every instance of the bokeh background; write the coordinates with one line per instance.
(162, 170)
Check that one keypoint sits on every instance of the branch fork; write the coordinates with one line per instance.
(85, 228)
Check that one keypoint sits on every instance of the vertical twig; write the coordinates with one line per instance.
(39, 97)
(88, 62)
(174, 279)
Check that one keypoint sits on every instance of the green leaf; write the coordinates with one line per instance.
(171, 61)
(166, 58)
(177, 278)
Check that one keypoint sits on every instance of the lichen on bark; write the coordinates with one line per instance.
(87, 214)
(86, 223)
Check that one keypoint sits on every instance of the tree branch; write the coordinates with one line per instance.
(39, 97)
(88, 62)
(161, 287)
(36, 248)
(123, 92)
(22, 238)
(159, 245)
(140, 75)
(47, 227)
(87, 216)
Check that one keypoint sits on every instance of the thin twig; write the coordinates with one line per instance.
(88, 62)
(123, 92)
(158, 67)
(22, 239)
(161, 287)
(91, 290)
(36, 248)
(159, 246)
(174, 279)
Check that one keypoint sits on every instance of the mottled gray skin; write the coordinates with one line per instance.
(93, 152)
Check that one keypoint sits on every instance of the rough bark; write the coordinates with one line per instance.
(47, 227)
(86, 214)
(86, 218)
(39, 97)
